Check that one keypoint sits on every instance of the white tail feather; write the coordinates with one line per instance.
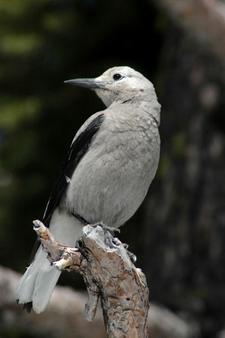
(40, 278)
(44, 285)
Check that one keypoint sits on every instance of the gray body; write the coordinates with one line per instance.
(110, 179)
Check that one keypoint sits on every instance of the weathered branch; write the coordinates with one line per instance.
(109, 274)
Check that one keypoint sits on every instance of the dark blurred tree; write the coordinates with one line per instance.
(188, 260)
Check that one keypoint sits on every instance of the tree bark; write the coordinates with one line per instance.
(110, 276)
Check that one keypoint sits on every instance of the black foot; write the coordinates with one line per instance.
(28, 307)
(107, 228)
(109, 232)
(132, 256)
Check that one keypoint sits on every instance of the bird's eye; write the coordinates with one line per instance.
(117, 76)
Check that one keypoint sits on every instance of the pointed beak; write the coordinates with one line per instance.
(86, 83)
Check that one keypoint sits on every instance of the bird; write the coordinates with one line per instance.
(106, 174)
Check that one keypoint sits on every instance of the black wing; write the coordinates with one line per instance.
(77, 150)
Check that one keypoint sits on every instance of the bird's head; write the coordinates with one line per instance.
(119, 84)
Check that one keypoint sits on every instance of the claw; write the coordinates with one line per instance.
(107, 228)
(133, 258)
(37, 224)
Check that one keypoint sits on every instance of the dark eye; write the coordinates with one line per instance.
(117, 76)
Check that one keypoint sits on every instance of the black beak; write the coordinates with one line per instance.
(86, 83)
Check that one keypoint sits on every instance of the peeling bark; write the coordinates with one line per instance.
(110, 276)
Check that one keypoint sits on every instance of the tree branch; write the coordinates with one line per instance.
(109, 274)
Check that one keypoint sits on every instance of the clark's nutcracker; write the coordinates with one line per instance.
(110, 164)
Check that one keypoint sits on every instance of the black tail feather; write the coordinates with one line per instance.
(28, 307)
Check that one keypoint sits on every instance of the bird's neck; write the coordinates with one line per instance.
(151, 107)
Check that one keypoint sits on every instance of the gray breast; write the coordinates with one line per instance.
(113, 177)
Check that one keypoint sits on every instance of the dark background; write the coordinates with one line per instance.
(178, 233)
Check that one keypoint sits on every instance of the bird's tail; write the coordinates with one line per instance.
(38, 282)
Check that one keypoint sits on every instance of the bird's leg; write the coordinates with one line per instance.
(112, 230)
(112, 241)
(109, 232)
